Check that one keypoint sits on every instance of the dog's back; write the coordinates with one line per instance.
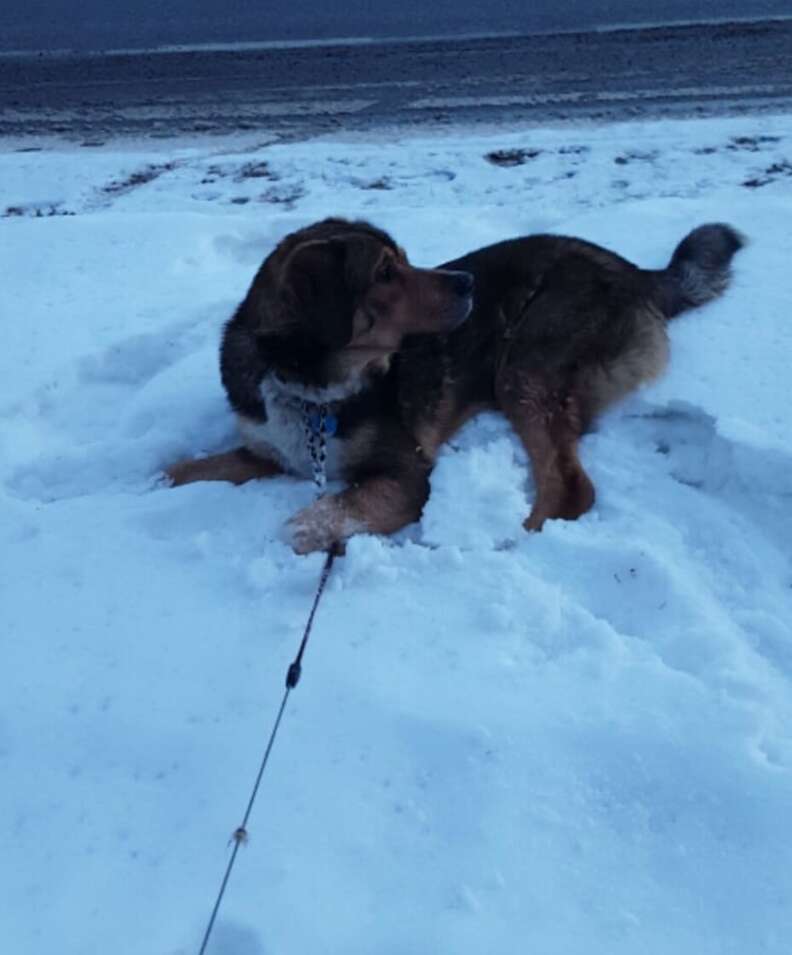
(561, 329)
(580, 315)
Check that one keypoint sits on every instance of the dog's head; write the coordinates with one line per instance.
(334, 301)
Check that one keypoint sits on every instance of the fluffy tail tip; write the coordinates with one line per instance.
(700, 264)
(710, 246)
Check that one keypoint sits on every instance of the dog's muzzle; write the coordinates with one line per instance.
(462, 282)
(462, 285)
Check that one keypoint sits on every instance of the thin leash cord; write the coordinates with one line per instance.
(292, 679)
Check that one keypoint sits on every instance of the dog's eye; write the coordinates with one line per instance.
(385, 272)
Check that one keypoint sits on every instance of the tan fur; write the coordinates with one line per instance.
(446, 418)
(549, 430)
(601, 386)
(236, 466)
(380, 505)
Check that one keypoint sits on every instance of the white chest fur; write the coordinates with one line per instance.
(282, 437)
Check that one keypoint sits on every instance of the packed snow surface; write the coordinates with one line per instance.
(572, 742)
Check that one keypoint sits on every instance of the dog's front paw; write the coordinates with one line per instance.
(314, 528)
(323, 525)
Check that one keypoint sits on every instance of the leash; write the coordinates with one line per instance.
(240, 834)
(319, 424)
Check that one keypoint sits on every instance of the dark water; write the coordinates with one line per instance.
(85, 25)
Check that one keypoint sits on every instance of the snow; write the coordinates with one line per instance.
(570, 742)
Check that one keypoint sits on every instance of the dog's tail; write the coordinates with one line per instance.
(700, 268)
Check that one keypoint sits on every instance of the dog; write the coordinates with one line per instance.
(345, 361)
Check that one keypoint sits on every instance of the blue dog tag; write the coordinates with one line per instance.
(330, 423)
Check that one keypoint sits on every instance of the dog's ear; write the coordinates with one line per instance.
(316, 289)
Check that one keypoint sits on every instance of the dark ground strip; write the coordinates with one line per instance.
(624, 74)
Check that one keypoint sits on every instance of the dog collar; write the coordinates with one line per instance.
(318, 425)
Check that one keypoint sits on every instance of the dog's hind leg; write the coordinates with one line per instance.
(237, 466)
(549, 426)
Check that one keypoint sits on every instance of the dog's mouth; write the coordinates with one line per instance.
(460, 299)
(456, 313)
(463, 312)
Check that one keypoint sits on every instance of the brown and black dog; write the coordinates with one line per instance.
(338, 327)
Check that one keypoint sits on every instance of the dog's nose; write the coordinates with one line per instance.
(463, 283)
